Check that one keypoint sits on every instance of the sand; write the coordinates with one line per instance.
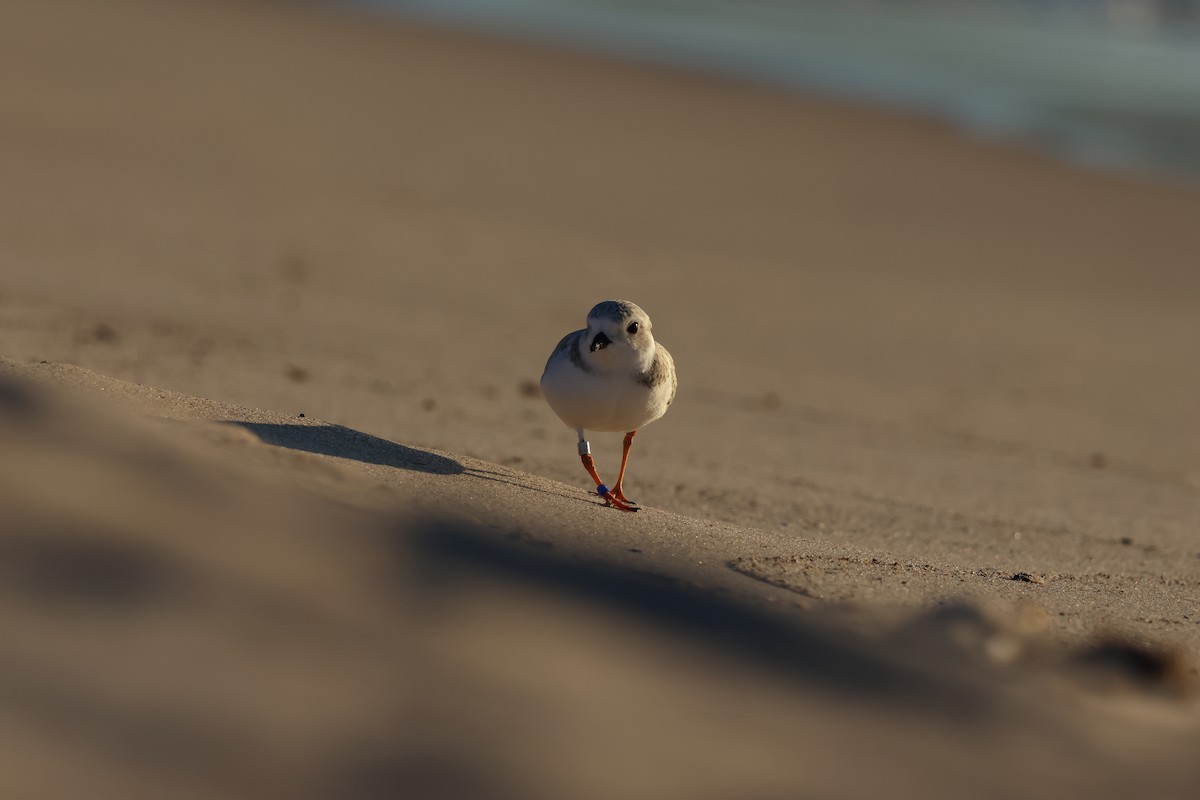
(935, 441)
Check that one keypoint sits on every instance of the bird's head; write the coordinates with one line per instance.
(618, 330)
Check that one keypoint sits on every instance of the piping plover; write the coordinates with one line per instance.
(610, 376)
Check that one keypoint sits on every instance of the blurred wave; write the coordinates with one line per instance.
(1107, 83)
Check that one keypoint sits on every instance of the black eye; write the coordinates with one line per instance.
(633, 327)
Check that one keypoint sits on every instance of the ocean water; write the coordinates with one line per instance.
(1113, 84)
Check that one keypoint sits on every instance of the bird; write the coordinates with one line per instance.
(611, 376)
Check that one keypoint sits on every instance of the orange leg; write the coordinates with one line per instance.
(616, 490)
(603, 490)
(585, 455)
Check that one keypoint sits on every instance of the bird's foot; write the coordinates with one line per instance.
(613, 500)
(620, 495)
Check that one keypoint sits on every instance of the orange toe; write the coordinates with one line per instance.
(619, 503)
(620, 495)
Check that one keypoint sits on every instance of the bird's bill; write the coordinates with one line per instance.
(600, 342)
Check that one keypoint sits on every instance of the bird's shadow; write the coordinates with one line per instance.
(342, 442)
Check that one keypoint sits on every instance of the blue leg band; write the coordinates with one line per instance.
(602, 490)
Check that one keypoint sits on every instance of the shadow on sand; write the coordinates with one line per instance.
(447, 553)
(342, 442)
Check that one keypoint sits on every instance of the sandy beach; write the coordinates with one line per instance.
(285, 516)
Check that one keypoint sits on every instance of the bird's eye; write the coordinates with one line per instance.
(633, 327)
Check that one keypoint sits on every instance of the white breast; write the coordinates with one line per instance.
(602, 401)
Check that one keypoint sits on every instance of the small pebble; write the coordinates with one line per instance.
(104, 333)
